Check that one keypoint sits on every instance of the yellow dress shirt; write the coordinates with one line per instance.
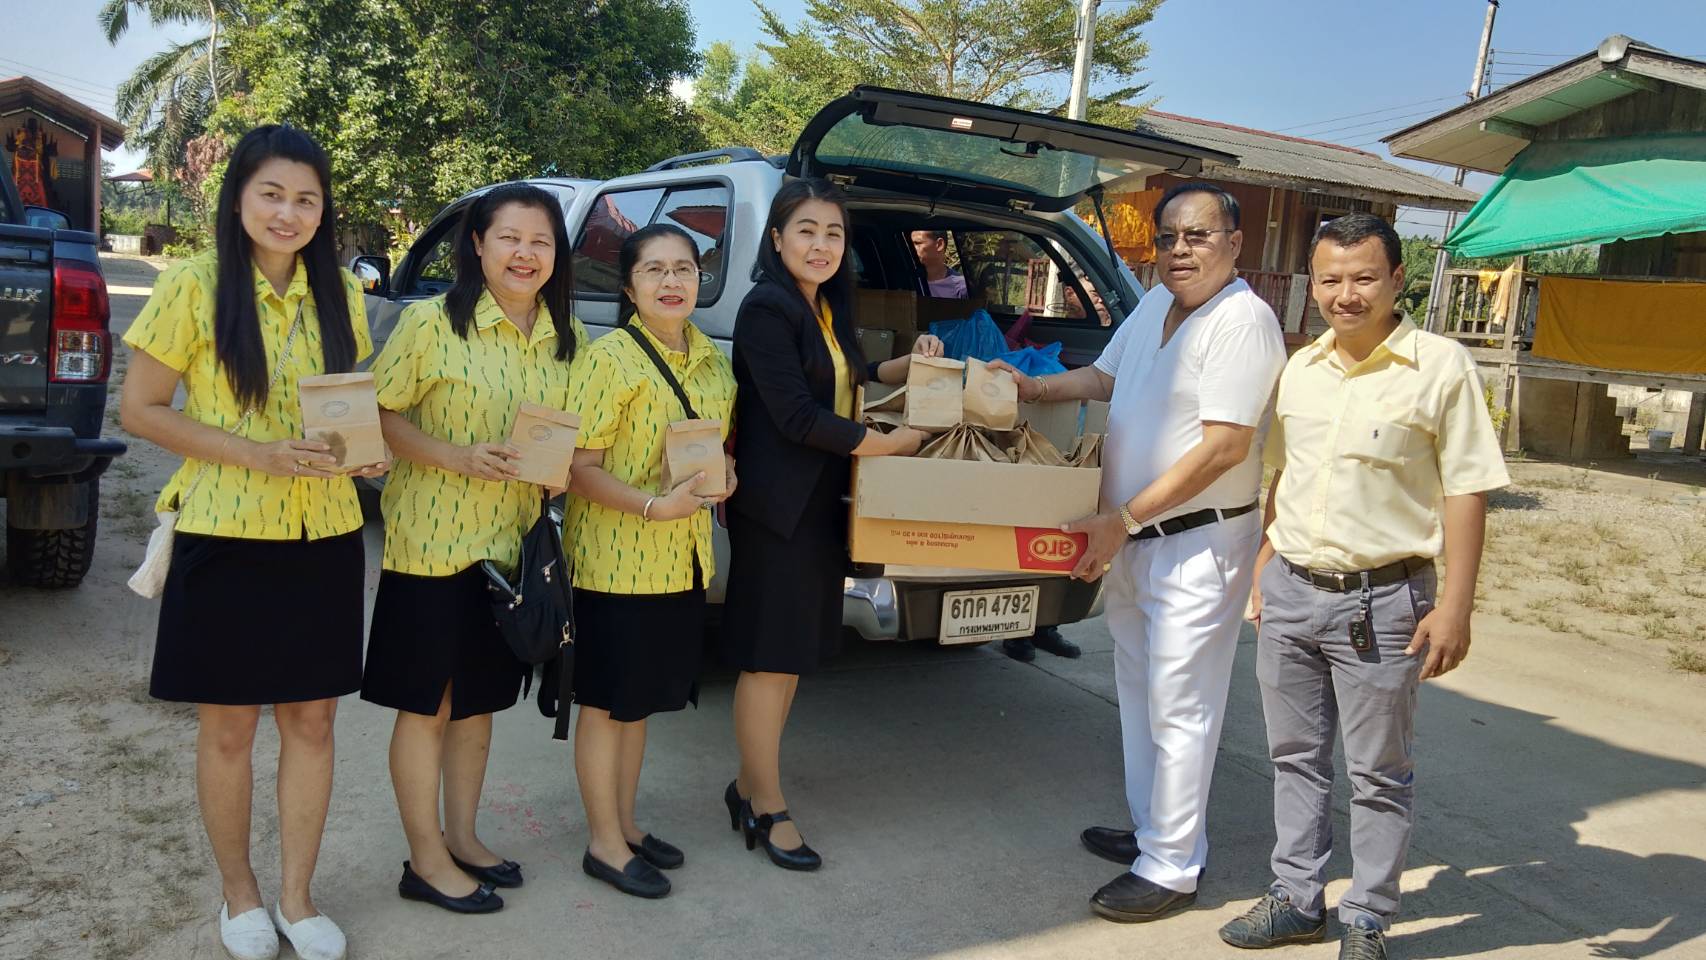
(464, 391)
(1370, 453)
(625, 406)
(175, 327)
(843, 380)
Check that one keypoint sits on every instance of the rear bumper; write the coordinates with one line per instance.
(886, 608)
(54, 454)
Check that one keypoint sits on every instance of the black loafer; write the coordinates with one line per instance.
(506, 874)
(1117, 846)
(414, 887)
(637, 878)
(1019, 648)
(1129, 898)
(664, 856)
(1049, 638)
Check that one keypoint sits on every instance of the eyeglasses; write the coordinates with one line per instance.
(656, 273)
(1195, 238)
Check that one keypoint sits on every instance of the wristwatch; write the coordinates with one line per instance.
(1132, 527)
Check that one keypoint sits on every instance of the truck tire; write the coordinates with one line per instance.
(54, 559)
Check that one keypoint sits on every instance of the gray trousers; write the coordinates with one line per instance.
(1313, 682)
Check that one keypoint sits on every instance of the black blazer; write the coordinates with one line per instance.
(786, 428)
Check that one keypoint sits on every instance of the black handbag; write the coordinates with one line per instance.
(536, 612)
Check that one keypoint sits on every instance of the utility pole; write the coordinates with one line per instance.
(1086, 37)
(1436, 289)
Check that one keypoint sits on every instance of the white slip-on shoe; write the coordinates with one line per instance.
(315, 938)
(249, 935)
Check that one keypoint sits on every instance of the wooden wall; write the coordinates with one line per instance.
(1671, 255)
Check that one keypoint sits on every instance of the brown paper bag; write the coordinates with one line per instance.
(964, 442)
(935, 391)
(546, 439)
(1089, 452)
(691, 446)
(341, 410)
(1026, 445)
(991, 398)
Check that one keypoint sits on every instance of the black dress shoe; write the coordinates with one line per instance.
(664, 856)
(1019, 648)
(1049, 638)
(414, 887)
(756, 829)
(1118, 846)
(637, 878)
(1129, 898)
(506, 874)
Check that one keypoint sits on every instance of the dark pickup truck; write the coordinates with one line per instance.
(56, 354)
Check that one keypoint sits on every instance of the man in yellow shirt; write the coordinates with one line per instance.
(1385, 453)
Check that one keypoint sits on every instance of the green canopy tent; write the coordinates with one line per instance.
(1559, 194)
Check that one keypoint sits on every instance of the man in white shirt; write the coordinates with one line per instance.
(1190, 378)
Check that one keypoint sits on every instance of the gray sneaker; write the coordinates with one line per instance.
(1363, 940)
(1273, 922)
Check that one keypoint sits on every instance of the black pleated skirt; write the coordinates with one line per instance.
(782, 610)
(638, 654)
(432, 631)
(250, 622)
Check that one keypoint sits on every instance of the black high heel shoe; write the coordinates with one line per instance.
(756, 829)
(734, 801)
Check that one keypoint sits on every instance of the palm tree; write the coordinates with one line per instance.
(169, 96)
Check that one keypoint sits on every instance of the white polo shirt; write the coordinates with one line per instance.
(1221, 365)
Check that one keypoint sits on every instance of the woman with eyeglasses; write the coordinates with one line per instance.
(641, 550)
(451, 380)
(263, 598)
(798, 363)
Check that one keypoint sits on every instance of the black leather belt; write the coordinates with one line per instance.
(1189, 521)
(1395, 572)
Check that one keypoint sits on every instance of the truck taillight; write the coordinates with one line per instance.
(80, 349)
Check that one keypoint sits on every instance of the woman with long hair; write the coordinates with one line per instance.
(797, 361)
(450, 381)
(263, 600)
(642, 550)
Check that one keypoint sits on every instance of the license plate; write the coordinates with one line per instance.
(973, 616)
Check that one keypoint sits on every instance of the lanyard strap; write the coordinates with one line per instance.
(657, 361)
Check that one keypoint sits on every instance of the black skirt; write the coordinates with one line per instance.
(638, 654)
(249, 622)
(432, 631)
(782, 609)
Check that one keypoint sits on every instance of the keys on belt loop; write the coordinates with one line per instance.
(1362, 628)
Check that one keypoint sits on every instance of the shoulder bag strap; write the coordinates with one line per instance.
(663, 368)
(249, 414)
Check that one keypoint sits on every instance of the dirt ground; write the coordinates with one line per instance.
(102, 854)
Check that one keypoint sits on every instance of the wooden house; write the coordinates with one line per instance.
(1607, 148)
(52, 148)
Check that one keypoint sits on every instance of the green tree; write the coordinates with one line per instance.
(1015, 53)
(418, 101)
(166, 101)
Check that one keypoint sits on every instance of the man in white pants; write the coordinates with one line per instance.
(1190, 378)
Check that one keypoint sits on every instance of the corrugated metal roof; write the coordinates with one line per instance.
(1264, 156)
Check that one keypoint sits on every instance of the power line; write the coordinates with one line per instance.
(1367, 125)
(80, 87)
(1353, 116)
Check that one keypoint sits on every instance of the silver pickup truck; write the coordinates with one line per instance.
(1002, 183)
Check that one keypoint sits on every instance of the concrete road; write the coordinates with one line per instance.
(1561, 810)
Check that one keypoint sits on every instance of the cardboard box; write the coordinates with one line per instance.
(966, 515)
(895, 310)
(1060, 421)
(341, 410)
(546, 438)
(878, 344)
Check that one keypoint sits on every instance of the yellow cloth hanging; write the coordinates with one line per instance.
(1504, 300)
(1623, 324)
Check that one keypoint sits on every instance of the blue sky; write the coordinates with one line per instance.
(1294, 66)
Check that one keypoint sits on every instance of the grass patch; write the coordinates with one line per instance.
(1687, 659)
(1579, 572)
(131, 758)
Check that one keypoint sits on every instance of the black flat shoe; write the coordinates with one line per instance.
(1129, 898)
(414, 887)
(637, 878)
(506, 874)
(1117, 846)
(1019, 648)
(756, 829)
(1049, 638)
(733, 800)
(664, 856)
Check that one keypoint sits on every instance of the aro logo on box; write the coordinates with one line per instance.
(1054, 548)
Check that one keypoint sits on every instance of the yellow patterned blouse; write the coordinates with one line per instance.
(176, 328)
(464, 392)
(625, 407)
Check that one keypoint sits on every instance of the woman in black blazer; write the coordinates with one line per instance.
(797, 363)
